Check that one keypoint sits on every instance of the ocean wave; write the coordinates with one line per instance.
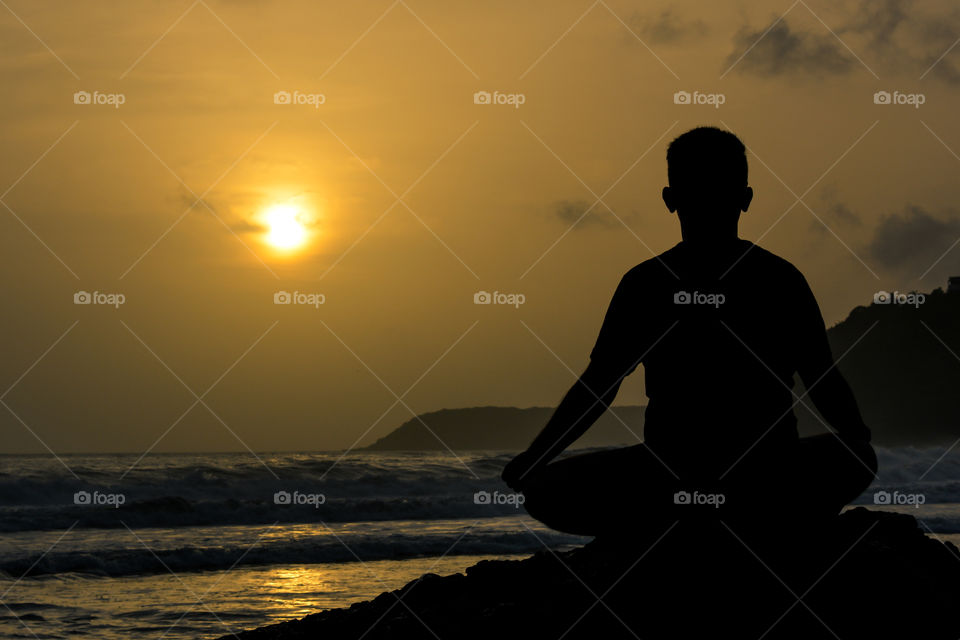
(224, 489)
(175, 511)
(316, 549)
(38, 493)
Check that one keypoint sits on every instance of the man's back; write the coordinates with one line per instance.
(720, 332)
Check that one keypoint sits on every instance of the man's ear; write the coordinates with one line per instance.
(746, 198)
(668, 199)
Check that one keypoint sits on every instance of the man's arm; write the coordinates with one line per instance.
(834, 399)
(825, 384)
(614, 357)
(586, 401)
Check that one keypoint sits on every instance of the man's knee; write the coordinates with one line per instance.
(537, 494)
(861, 469)
(865, 454)
(870, 470)
(842, 452)
(844, 468)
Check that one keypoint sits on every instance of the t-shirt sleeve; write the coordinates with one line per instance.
(616, 345)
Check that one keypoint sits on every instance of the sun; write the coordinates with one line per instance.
(285, 228)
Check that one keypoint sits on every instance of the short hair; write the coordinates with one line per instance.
(707, 155)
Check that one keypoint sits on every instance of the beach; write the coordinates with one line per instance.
(200, 546)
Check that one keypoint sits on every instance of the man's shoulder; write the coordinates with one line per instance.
(754, 259)
(656, 267)
(759, 258)
(647, 272)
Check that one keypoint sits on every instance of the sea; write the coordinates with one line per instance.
(203, 545)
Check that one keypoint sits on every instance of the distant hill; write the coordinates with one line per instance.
(906, 380)
(503, 428)
(905, 371)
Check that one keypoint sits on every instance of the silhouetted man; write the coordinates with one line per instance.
(721, 326)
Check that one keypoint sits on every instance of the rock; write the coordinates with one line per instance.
(865, 574)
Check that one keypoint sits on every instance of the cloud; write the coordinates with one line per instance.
(575, 212)
(783, 50)
(248, 226)
(833, 212)
(910, 242)
(892, 34)
(842, 213)
(879, 20)
(834, 215)
(187, 202)
(903, 39)
(667, 27)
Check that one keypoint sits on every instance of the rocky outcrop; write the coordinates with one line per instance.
(865, 574)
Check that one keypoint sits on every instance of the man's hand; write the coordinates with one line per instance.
(857, 433)
(579, 409)
(517, 472)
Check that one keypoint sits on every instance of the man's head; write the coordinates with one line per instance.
(707, 172)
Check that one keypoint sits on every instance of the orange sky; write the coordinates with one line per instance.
(417, 197)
